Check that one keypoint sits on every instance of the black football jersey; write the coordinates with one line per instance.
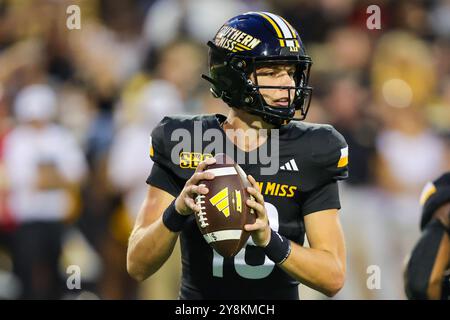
(311, 158)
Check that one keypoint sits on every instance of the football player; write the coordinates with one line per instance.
(427, 275)
(259, 67)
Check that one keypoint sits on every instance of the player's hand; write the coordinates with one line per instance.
(185, 203)
(260, 230)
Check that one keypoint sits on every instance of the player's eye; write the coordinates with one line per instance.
(265, 73)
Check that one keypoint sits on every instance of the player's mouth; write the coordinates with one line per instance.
(283, 102)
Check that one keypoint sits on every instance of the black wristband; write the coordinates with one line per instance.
(278, 248)
(172, 219)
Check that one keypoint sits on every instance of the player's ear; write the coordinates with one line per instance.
(252, 76)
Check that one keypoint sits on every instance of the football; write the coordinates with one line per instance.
(224, 211)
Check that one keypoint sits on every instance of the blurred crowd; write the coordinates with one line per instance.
(77, 108)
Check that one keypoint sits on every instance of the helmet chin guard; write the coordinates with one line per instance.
(231, 63)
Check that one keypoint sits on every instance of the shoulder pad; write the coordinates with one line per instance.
(168, 137)
(161, 137)
(329, 151)
(157, 150)
(434, 195)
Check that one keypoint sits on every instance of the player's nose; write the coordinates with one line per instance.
(285, 79)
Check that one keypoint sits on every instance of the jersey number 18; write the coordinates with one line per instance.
(242, 268)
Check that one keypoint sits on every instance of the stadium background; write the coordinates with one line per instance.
(387, 91)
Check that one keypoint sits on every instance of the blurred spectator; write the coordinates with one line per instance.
(43, 164)
(348, 108)
(314, 19)
(409, 152)
(411, 15)
(438, 112)
(181, 63)
(439, 18)
(407, 60)
(129, 160)
(9, 287)
(407, 148)
(103, 59)
(101, 205)
(350, 50)
(6, 220)
(404, 83)
(169, 19)
(347, 51)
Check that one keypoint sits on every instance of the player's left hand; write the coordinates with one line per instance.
(260, 230)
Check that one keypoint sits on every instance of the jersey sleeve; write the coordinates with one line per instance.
(329, 163)
(322, 198)
(330, 154)
(162, 175)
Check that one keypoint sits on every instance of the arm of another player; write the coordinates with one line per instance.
(322, 266)
(442, 262)
(151, 242)
(430, 258)
(434, 290)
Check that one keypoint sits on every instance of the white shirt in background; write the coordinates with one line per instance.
(25, 148)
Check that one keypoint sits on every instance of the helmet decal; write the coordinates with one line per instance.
(235, 40)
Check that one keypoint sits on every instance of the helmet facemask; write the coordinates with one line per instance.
(299, 95)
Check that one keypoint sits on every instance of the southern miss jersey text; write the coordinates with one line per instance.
(312, 158)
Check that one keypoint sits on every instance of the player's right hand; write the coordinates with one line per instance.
(185, 203)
